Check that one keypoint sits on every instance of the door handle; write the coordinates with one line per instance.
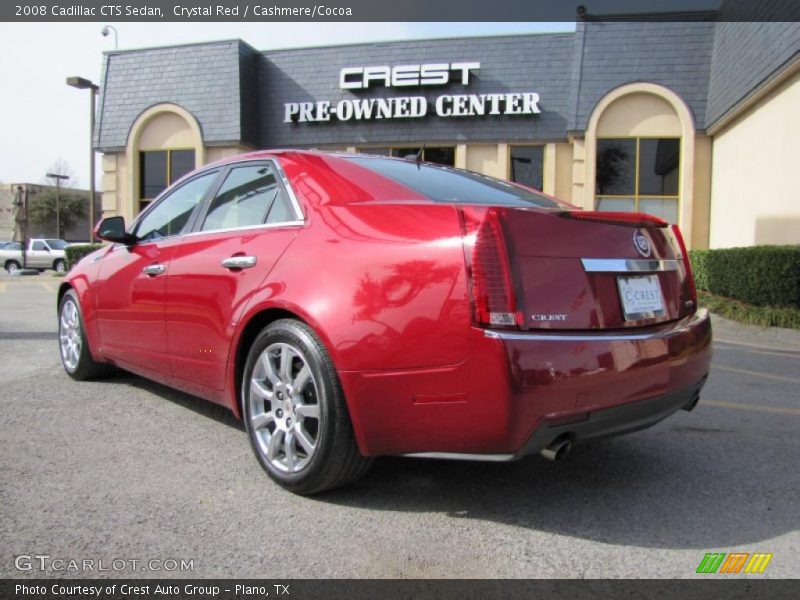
(154, 270)
(239, 262)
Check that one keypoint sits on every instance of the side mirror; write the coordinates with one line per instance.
(112, 229)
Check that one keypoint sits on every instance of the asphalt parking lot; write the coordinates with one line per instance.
(128, 469)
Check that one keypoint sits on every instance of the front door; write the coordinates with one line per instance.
(132, 279)
(215, 271)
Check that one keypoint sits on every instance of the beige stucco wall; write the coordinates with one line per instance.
(755, 198)
(639, 114)
(489, 159)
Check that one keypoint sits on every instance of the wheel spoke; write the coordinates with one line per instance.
(261, 420)
(304, 440)
(275, 442)
(258, 389)
(288, 450)
(301, 379)
(307, 411)
(286, 364)
(269, 369)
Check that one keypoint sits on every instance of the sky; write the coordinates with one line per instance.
(43, 121)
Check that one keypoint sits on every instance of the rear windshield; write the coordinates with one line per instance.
(445, 184)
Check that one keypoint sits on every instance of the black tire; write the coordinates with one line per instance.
(335, 460)
(60, 266)
(85, 367)
(12, 266)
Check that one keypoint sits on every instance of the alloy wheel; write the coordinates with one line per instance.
(69, 335)
(284, 412)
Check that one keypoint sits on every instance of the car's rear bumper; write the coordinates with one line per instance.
(519, 391)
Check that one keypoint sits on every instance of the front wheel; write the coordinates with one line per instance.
(295, 412)
(60, 266)
(75, 354)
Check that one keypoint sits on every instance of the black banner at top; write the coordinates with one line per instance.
(265, 11)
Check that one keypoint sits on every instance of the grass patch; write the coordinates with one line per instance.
(763, 316)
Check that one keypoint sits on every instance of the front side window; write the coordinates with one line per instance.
(171, 215)
(639, 175)
(161, 168)
(57, 244)
(250, 195)
(527, 166)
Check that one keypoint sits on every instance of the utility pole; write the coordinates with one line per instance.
(58, 179)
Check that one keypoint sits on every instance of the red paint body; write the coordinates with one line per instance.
(379, 272)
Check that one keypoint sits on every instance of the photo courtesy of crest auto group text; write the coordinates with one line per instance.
(354, 301)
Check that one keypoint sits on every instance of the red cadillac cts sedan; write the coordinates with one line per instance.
(351, 306)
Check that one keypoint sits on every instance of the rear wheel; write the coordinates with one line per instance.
(295, 412)
(12, 266)
(75, 354)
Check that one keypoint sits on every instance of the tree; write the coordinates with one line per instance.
(42, 208)
(73, 203)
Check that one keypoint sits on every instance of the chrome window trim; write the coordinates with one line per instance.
(700, 315)
(298, 210)
(245, 227)
(627, 265)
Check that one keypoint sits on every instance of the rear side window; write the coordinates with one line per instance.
(444, 184)
(250, 195)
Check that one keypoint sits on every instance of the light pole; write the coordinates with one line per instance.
(59, 179)
(85, 84)
(108, 29)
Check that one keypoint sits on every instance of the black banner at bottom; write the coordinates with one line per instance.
(406, 589)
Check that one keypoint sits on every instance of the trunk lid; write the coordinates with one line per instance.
(576, 270)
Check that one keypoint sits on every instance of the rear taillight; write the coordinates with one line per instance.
(687, 265)
(634, 219)
(488, 268)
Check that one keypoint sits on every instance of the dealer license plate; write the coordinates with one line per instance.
(641, 297)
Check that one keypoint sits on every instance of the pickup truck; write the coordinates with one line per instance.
(42, 254)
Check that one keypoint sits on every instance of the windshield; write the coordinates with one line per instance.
(57, 244)
(446, 184)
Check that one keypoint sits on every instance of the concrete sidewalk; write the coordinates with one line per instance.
(770, 338)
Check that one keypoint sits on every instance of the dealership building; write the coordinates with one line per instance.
(695, 121)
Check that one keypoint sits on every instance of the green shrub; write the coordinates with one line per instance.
(698, 260)
(758, 275)
(78, 251)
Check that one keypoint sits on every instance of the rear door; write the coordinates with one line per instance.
(240, 235)
(132, 279)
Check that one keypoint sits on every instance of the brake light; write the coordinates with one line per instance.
(633, 219)
(687, 266)
(488, 268)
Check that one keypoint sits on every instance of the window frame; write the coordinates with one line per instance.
(280, 179)
(393, 147)
(636, 196)
(299, 219)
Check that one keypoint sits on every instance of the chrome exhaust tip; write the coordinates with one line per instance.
(557, 450)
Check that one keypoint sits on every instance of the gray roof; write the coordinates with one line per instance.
(237, 94)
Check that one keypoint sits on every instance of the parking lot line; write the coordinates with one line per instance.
(47, 285)
(755, 373)
(3, 285)
(770, 409)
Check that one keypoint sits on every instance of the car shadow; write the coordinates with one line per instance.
(673, 486)
(646, 490)
(202, 407)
